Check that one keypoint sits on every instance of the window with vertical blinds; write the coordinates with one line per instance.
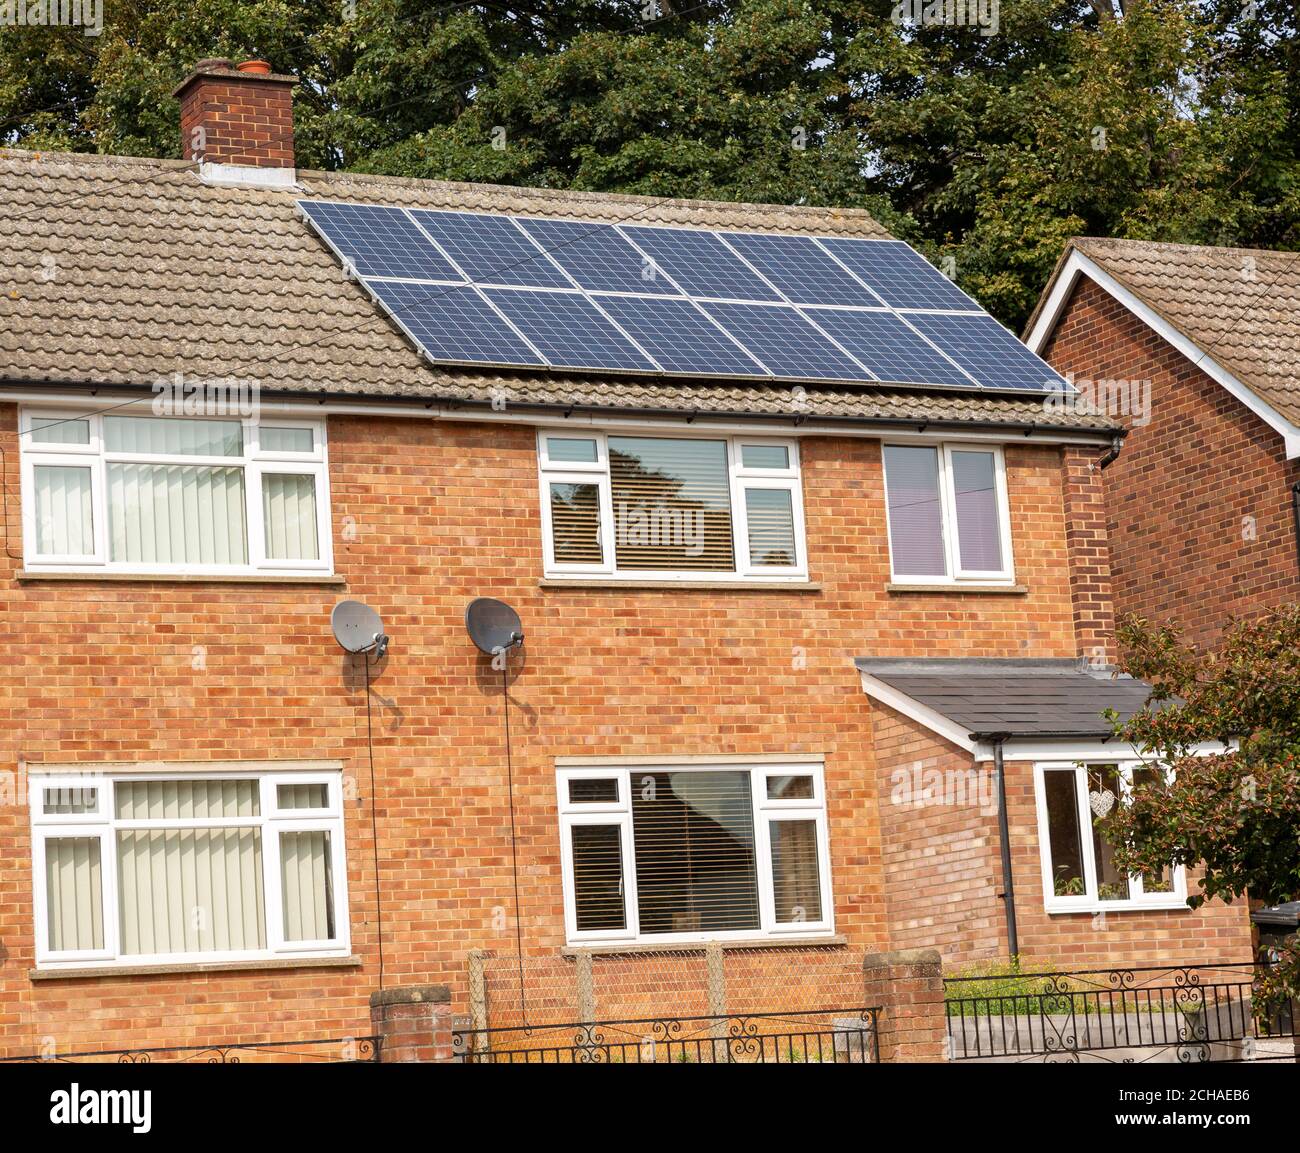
(671, 506)
(696, 853)
(151, 494)
(231, 867)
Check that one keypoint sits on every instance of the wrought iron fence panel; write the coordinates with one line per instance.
(833, 1036)
(1186, 1013)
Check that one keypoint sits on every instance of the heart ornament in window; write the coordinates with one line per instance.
(1101, 802)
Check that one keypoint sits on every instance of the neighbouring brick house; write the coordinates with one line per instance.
(1196, 350)
(238, 832)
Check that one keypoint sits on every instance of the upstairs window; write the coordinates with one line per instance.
(947, 511)
(681, 508)
(173, 495)
(707, 852)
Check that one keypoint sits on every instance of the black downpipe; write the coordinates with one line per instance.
(1295, 516)
(1008, 888)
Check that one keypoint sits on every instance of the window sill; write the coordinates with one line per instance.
(972, 587)
(701, 946)
(1179, 906)
(682, 585)
(27, 576)
(278, 963)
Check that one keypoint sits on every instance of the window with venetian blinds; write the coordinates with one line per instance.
(177, 868)
(695, 853)
(656, 506)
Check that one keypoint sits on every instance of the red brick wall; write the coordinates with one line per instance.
(940, 844)
(1179, 494)
(427, 515)
(245, 120)
(943, 871)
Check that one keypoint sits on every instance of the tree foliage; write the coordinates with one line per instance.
(1235, 814)
(1160, 119)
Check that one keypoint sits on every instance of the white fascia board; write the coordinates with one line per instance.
(91, 401)
(1080, 265)
(922, 714)
(1066, 750)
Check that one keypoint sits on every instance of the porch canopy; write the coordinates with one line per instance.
(970, 700)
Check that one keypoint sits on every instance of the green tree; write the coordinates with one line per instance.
(1159, 119)
(1235, 814)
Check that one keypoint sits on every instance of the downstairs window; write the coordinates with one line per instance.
(1079, 872)
(152, 869)
(698, 853)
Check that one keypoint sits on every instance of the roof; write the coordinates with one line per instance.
(125, 270)
(1239, 306)
(1012, 698)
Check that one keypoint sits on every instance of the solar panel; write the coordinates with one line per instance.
(675, 333)
(686, 301)
(987, 351)
(700, 263)
(903, 278)
(454, 323)
(491, 249)
(379, 241)
(569, 330)
(785, 341)
(805, 273)
(882, 342)
(597, 256)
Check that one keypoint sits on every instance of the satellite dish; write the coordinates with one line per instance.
(357, 628)
(493, 625)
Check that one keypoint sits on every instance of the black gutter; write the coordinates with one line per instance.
(795, 419)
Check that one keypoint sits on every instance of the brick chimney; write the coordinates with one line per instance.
(237, 120)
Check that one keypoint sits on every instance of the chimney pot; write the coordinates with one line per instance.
(261, 67)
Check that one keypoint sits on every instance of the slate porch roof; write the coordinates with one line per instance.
(1240, 306)
(1013, 698)
(120, 271)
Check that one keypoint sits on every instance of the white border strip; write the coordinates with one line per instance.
(1080, 265)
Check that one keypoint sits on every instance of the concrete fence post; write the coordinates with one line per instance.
(907, 987)
(412, 1022)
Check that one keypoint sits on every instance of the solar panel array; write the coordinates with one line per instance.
(479, 289)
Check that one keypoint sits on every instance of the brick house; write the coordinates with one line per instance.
(1195, 349)
(220, 826)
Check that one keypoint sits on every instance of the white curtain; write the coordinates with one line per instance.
(74, 893)
(190, 890)
(289, 512)
(176, 514)
(63, 518)
(308, 884)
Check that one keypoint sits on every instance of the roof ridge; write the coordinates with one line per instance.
(571, 195)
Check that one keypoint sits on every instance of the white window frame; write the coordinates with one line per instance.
(741, 480)
(765, 812)
(1089, 901)
(955, 575)
(104, 824)
(254, 462)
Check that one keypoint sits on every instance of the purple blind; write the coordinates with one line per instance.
(974, 482)
(915, 514)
